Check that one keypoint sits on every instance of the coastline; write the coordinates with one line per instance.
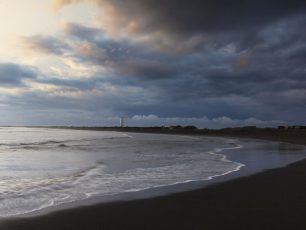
(294, 136)
(219, 206)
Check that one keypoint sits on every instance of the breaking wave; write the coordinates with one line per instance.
(49, 169)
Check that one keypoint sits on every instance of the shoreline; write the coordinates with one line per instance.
(294, 136)
(149, 192)
(186, 212)
(260, 201)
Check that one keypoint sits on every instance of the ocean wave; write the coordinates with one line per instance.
(101, 164)
(59, 143)
(95, 181)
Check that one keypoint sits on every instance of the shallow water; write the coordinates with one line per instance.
(46, 167)
(42, 168)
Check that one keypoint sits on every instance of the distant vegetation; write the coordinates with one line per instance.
(293, 134)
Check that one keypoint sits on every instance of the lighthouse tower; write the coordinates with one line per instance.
(122, 122)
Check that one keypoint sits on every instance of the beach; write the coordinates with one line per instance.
(273, 199)
(152, 115)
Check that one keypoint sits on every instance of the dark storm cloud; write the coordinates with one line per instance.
(231, 75)
(122, 57)
(237, 59)
(92, 45)
(298, 55)
(148, 69)
(284, 35)
(196, 16)
(13, 74)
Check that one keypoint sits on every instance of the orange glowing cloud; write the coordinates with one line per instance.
(128, 22)
(242, 61)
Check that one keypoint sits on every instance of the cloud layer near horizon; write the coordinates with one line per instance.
(176, 59)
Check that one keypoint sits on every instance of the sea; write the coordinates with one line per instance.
(46, 167)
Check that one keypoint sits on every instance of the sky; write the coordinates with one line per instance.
(209, 63)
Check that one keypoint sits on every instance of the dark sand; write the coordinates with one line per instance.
(274, 199)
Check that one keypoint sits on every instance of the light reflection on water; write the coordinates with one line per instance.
(45, 167)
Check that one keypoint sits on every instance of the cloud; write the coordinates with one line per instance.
(123, 57)
(220, 65)
(44, 44)
(14, 74)
(82, 32)
(222, 79)
(168, 24)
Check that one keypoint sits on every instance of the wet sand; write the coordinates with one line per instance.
(274, 199)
